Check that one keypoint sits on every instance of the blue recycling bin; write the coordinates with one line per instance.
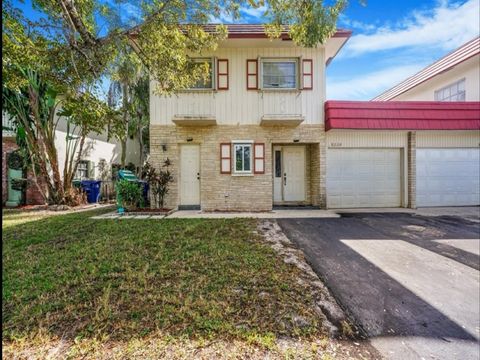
(145, 188)
(92, 188)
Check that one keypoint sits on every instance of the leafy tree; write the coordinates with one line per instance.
(78, 39)
(35, 110)
(125, 74)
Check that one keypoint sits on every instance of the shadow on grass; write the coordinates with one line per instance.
(73, 277)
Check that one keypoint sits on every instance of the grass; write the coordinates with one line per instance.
(84, 286)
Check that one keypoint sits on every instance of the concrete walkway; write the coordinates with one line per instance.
(275, 214)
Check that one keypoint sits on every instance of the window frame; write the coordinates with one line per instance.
(86, 162)
(213, 70)
(448, 99)
(243, 143)
(294, 60)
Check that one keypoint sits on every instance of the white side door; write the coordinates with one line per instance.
(190, 175)
(293, 173)
(448, 177)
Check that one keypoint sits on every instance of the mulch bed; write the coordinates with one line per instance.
(148, 211)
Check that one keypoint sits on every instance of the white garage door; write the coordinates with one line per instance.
(363, 178)
(448, 177)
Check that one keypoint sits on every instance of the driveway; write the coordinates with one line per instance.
(409, 280)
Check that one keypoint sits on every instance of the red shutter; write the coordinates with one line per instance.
(259, 158)
(225, 158)
(307, 74)
(222, 74)
(252, 74)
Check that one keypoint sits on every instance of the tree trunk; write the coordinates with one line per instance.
(125, 121)
(124, 152)
(140, 142)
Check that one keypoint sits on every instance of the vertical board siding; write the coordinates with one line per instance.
(449, 139)
(367, 139)
(237, 106)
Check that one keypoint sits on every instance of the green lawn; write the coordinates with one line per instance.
(94, 284)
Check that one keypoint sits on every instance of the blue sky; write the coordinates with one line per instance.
(391, 40)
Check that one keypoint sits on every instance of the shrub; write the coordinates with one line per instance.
(130, 194)
(75, 196)
(159, 182)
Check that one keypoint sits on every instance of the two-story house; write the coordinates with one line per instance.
(253, 135)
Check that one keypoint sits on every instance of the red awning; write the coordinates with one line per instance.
(402, 115)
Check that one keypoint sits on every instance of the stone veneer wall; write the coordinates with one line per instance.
(227, 191)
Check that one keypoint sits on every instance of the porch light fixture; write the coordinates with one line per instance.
(164, 147)
(296, 140)
(189, 139)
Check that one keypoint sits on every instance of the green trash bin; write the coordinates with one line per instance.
(124, 175)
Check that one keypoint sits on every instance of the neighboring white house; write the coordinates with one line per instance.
(447, 162)
(454, 77)
(96, 148)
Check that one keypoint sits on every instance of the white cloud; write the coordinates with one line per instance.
(367, 86)
(446, 27)
(247, 14)
(256, 13)
(345, 21)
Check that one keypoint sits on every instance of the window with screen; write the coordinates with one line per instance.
(279, 74)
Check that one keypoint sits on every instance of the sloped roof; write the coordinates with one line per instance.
(454, 58)
(236, 31)
(402, 115)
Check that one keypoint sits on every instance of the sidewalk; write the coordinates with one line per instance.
(275, 214)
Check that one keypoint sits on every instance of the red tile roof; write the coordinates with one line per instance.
(402, 115)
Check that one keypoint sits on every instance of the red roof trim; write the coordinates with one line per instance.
(257, 31)
(402, 115)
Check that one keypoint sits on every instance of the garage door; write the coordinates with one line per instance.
(448, 177)
(363, 178)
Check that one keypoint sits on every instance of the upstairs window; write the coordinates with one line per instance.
(279, 73)
(205, 83)
(453, 92)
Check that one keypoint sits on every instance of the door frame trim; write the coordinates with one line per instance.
(198, 146)
(305, 187)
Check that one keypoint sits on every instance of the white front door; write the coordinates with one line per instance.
(190, 175)
(293, 173)
(448, 177)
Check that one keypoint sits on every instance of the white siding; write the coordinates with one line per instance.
(469, 69)
(239, 106)
(371, 139)
(448, 139)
